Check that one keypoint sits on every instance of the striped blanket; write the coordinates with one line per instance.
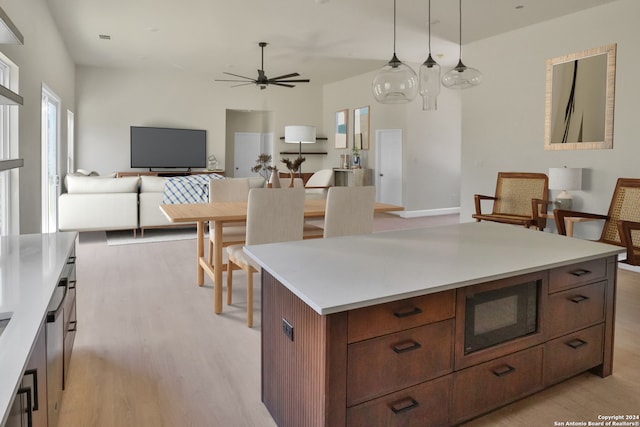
(188, 189)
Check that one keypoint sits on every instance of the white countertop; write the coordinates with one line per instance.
(343, 273)
(30, 266)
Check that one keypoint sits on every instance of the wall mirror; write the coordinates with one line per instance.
(580, 100)
(361, 128)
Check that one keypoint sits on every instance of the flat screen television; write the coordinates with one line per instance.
(155, 148)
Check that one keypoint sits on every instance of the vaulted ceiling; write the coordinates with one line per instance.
(324, 40)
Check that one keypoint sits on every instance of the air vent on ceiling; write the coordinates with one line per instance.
(104, 37)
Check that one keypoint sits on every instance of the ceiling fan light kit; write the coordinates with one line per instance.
(263, 81)
(396, 82)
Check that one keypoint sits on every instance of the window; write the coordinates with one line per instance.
(9, 202)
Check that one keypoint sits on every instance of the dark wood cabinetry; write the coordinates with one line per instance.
(403, 363)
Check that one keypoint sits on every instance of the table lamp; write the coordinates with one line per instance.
(300, 135)
(565, 179)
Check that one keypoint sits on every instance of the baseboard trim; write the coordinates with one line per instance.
(427, 212)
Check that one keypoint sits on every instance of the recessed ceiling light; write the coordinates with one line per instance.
(104, 37)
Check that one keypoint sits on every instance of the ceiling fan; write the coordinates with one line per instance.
(263, 81)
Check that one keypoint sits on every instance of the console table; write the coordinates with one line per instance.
(369, 330)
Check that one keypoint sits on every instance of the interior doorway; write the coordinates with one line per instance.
(50, 175)
(389, 166)
(248, 134)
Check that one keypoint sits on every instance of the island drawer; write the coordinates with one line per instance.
(386, 364)
(576, 308)
(572, 354)
(492, 384)
(369, 322)
(577, 274)
(423, 405)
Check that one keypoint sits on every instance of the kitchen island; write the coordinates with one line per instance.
(30, 270)
(374, 329)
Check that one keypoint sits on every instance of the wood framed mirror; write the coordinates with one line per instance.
(580, 99)
(361, 124)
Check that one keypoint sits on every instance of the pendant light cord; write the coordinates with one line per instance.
(429, 17)
(460, 30)
(394, 27)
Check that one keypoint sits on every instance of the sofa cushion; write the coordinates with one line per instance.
(152, 184)
(98, 184)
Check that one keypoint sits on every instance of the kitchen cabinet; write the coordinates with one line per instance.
(29, 407)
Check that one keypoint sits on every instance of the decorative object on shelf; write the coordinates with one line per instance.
(579, 102)
(342, 120)
(263, 166)
(361, 128)
(293, 167)
(263, 81)
(345, 161)
(212, 163)
(429, 74)
(396, 82)
(461, 77)
(355, 158)
(565, 179)
(274, 179)
(300, 135)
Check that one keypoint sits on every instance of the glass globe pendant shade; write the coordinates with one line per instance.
(395, 83)
(429, 84)
(461, 77)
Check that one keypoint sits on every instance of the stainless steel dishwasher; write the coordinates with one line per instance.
(55, 351)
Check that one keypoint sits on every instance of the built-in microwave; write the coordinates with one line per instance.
(500, 315)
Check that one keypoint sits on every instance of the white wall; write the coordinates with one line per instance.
(431, 146)
(110, 101)
(42, 59)
(503, 119)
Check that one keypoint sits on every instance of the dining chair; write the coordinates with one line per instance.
(318, 184)
(273, 215)
(349, 211)
(518, 199)
(228, 190)
(621, 224)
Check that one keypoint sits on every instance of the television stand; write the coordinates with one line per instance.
(167, 173)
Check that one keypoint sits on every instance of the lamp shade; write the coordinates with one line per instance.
(565, 178)
(300, 134)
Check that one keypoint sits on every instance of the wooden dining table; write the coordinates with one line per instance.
(220, 212)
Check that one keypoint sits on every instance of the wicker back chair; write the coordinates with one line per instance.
(622, 223)
(518, 200)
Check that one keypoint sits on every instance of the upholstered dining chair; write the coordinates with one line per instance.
(318, 184)
(228, 190)
(273, 215)
(349, 211)
(518, 200)
(621, 224)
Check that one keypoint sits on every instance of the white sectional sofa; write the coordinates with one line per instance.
(105, 203)
(98, 203)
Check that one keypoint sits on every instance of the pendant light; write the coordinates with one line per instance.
(461, 77)
(396, 82)
(429, 78)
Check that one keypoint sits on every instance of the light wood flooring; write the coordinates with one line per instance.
(150, 352)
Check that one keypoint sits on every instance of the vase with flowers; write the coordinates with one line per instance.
(293, 167)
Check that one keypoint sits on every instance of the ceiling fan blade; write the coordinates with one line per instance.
(237, 75)
(243, 84)
(286, 76)
(290, 81)
(243, 81)
(281, 84)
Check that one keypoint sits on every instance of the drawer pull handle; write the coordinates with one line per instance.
(576, 344)
(404, 405)
(580, 272)
(73, 326)
(72, 284)
(503, 370)
(578, 299)
(71, 260)
(406, 312)
(34, 374)
(406, 346)
(29, 411)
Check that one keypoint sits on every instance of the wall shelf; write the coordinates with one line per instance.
(9, 97)
(11, 164)
(322, 153)
(9, 33)
(318, 138)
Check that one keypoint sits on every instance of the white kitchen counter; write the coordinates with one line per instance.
(339, 274)
(30, 266)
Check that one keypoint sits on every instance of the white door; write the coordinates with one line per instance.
(246, 150)
(389, 166)
(50, 177)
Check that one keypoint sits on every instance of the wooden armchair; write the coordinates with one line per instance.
(518, 200)
(621, 224)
